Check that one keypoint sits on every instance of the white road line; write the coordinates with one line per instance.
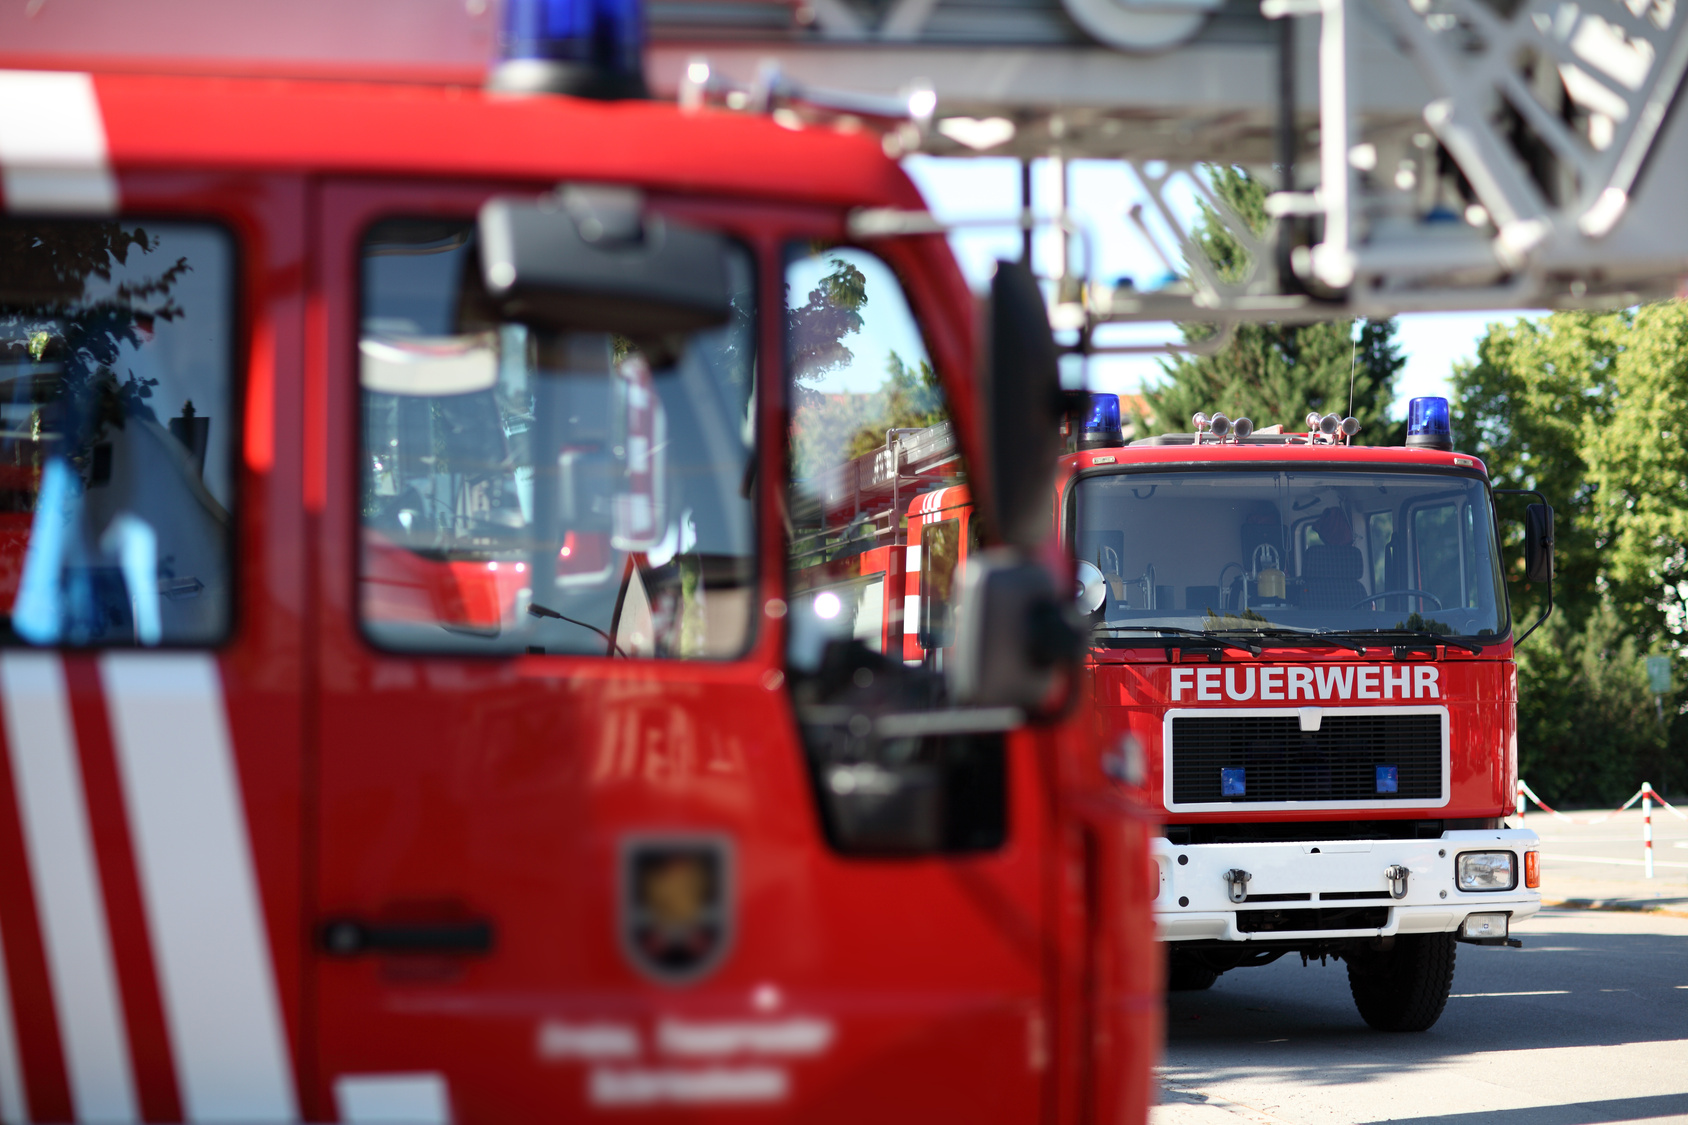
(1619, 862)
(54, 812)
(200, 888)
(14, 1107)
(1487, 995)
(53, 155)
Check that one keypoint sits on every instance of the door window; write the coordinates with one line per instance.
(547, 492)
(117, 424)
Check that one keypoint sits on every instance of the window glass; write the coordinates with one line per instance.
(547, 492)
(117, 425)
(875, 472)
(1296, 551)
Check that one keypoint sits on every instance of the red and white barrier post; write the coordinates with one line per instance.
(1647, 825)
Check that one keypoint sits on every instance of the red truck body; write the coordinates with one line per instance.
(287, 874)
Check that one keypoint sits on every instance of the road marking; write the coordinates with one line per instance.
(1486, 995)
(1619, 862)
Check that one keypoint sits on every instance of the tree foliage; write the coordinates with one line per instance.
(1592, 409)
(1276, 373)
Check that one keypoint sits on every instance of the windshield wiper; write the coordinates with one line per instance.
(537, 610)
(1319, 637)
(1413, 634)
(1218, 638)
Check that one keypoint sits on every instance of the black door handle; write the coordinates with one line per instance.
(349, 937)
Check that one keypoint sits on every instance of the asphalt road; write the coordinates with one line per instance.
(1587, 1023)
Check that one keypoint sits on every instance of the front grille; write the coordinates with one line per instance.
(1338, 918)
(1243, 759)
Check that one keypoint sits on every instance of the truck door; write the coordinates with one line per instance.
(567, 855)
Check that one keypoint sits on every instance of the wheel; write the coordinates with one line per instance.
(1397, 594)
(1404, 988)
(1183, 974)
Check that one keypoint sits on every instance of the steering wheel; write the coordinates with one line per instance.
(1398, 593)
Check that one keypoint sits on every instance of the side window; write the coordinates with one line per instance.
(547, 492)
(117, 426)
(870, 444)
(877, 501)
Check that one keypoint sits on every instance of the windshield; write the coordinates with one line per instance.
(544, 492)
(1289, 550)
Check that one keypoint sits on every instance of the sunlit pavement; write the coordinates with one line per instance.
(1587, 1023)
(1602, 864)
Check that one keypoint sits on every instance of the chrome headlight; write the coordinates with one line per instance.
(1486, 871)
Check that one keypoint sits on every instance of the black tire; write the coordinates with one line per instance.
(1404, 988)
(1183, 974)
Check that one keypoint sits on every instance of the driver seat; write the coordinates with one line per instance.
(1331, 576)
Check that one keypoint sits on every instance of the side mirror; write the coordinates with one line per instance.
(1023, 407)
(591, 259)
(1013, 633)
(1538, 543)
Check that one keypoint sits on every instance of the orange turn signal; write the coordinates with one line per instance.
(1532, 869)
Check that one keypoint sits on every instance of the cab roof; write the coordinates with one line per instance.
(1216, 454)
(170, 122)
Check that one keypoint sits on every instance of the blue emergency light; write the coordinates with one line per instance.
(1427, 424)
(588, 48)
(1102, 423)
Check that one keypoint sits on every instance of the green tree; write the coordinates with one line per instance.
(1638, 472)
(1536, 390)
(1276, 373)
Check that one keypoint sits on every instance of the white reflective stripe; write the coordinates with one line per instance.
(911, 614)
(913, 566)
(13, 1108)
(53, 809)
(201, 892)
(393, 1099)
(53, 153)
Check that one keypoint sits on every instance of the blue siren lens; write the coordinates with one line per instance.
(1233, 782)
(604, 33)
(1428, 418)
(1104, 413)
(1388, 779)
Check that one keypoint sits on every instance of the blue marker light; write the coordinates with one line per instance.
(1233, 782)
(1427, 424)
(589, 48)
(1388, 779)
(1102, 423)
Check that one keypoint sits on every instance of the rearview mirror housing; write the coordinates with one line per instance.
(592, 259)
(1014, 633)
(1538, 543)
(1023, 407)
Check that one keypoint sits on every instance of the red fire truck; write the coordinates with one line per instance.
(1301, 649)
(407, 711)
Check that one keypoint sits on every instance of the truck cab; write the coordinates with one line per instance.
(411, 710)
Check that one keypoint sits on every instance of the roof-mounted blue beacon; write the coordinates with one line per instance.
(1427, 424)
(1102, 423)
(588, 48)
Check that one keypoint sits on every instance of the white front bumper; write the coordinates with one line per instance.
(1195, 903)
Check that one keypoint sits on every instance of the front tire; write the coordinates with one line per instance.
(1406, 987)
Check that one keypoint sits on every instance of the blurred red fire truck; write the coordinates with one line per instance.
(416, 704)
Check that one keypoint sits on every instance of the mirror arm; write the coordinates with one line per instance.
(1547, 610)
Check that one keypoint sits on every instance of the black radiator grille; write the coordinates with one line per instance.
(1351, 757)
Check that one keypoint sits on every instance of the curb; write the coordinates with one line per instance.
(1621, 905)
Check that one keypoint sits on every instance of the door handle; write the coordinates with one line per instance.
(350, 937)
